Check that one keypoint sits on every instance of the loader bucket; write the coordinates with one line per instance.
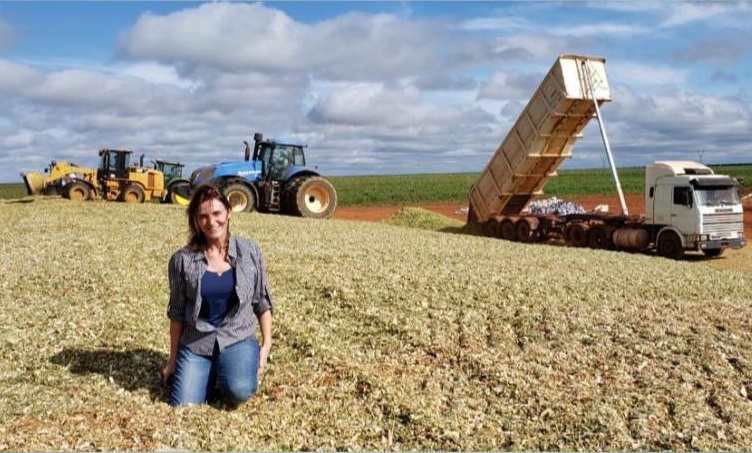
(34, 182)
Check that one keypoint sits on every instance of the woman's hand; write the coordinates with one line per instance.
(167, 373)
(266, 348)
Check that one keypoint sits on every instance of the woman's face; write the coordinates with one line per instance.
(213, 219)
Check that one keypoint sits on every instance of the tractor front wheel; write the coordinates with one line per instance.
(240, 197)
(314, 197)
(133, 193)
(174, 193)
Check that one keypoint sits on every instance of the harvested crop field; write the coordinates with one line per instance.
(386, 338)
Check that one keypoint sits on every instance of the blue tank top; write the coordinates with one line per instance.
(218, 295)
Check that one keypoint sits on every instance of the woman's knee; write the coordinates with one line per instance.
(191, 380)
(239, 392)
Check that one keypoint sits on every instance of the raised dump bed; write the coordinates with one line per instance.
(541, 138)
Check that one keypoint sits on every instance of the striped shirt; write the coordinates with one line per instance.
(185, 270)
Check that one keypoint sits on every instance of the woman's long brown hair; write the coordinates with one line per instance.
(196, 239)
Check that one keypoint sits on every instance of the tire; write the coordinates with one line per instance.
(508, 230)
(313, 197)
(491, 228)
(669, 246)
(525, 231)
(174, 197)
(577, 235)
(133, 193)
(53, 190)
(599, 237)
(240, 197)
(77, 190)
(712, 253)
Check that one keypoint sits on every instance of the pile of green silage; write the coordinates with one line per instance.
(386, 338)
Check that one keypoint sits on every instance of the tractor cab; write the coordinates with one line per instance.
(170, 169)
(276, 158)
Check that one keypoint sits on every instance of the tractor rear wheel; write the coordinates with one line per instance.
(313, 197)
(240, 197)
(77, 190)
(133, 193)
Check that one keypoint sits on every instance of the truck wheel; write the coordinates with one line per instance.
(669, 246)
(600, 238)
(77, 190)
(507, 230)
(240, 197)
(491, 228)
(525, 229)
(712, 253)
(577, 235)
(133, 193)
(315, 198)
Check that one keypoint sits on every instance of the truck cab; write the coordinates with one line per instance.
(703, 209)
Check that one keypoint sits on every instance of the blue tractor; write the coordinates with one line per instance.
(272, 178)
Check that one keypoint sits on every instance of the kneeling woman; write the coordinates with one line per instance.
(218, 289)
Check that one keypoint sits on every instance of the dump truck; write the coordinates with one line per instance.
(273, 177)
(61, 178)
(687, 206)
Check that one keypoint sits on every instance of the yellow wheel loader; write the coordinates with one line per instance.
(122, 181)
(63, 178)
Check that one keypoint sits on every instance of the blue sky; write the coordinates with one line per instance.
(371, 87)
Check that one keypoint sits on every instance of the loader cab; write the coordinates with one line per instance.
(114, 163)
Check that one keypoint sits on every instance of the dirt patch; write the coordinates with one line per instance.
(635, 205)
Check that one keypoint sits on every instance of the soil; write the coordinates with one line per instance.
(635, 205)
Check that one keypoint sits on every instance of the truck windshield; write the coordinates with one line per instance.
(717, 196)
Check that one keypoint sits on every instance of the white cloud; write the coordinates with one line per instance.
(156, 73)
(599, 30)
(509, 86)
(646, 126)
(379, 106)
(497, 24)
(15, 77)
(241, 37)
(683, 13)
(645, 75)
(6, 35)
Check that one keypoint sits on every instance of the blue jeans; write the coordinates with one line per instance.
(234, 370)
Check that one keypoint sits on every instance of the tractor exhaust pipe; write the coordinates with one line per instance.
(258, 137)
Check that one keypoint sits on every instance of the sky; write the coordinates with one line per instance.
(370, 87)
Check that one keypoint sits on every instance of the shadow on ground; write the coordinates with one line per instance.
(132, 369)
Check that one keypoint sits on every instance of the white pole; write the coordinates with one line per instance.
(617, 184)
